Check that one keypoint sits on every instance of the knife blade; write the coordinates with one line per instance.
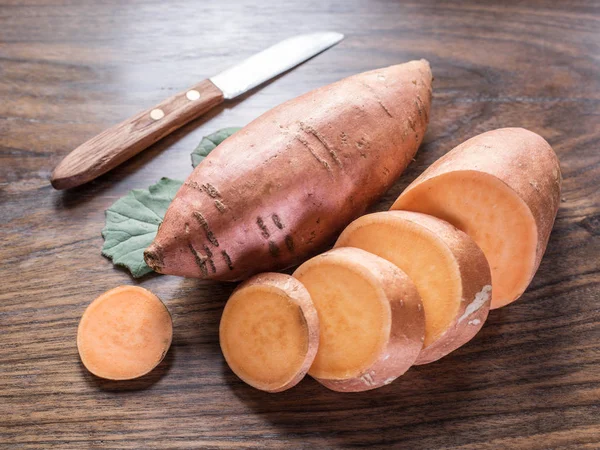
(273, 61)
(122, 141)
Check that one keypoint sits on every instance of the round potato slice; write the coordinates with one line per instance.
(448, 268)
(372, 323)
(269, 332)
(124, 333)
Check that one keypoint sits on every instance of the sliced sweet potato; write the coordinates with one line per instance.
(124, 333)
(371, 317)
(269, 332)
(447, 267)
(503, 189)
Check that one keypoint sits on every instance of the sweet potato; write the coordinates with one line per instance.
(269, 332)
(124, 333)
(448, 268)
(284, 186)
(503, 189)
(372, 323)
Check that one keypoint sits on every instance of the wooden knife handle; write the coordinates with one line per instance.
(120, 142)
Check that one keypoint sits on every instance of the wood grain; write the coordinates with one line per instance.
(68, 70)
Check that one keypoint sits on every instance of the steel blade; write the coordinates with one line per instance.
(271, 62)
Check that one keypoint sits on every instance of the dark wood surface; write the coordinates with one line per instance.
(69, 69)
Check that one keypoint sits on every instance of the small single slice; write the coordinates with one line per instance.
(269, 332)
(448, 268)
(502, 188)
(372, 322)
(124, 333)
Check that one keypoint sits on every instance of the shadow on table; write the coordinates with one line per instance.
(310, 412)
(138, 384)
(464, 388)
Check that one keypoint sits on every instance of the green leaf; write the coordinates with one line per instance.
(209, 143)
(132, 222)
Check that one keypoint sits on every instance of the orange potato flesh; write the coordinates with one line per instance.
(503, 188)
(124, 333)
(426, 261)
(355, 320)
(495, 218)
(448, 269)
(269, 332)
(371, 317)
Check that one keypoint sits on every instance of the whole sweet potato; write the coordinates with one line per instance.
(282, 188)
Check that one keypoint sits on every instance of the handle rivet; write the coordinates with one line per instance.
(192, 94)
(157, 114)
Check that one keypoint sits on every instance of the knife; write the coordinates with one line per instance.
(126, 139)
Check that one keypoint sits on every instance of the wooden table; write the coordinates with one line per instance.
(69, 69)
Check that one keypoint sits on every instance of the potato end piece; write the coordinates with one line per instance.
(448, 269)
(372, 323)
(124, 333)
(493, 215)
(502, 188)
(269, 332)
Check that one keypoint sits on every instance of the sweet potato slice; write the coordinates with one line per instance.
(372, 323)
(269, 332)
(502, 188)
(447, 267)
(124, 333)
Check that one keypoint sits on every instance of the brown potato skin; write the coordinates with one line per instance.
(476, 280)
(298, 293)
(474, 273)
(408, 322)
(284, 186)
(520, 158)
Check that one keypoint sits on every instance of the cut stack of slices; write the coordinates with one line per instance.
(406, 286)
